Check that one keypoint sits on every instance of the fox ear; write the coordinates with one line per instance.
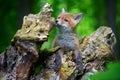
(78, 17)
(63, 10)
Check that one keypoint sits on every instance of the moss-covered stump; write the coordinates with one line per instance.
(17, 61)
(96, 52)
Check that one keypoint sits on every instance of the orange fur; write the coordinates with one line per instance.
(70, 20)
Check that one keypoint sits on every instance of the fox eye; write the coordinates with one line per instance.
(58, 17)
(65, 20)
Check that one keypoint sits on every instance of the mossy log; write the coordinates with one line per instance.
(17, 61)
(97, 51)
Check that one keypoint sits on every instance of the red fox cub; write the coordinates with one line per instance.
(67, 40)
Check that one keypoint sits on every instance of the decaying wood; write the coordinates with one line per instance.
(96, 52)
(17, 60)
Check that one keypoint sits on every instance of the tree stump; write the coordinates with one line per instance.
(17, 60)
(96, 52)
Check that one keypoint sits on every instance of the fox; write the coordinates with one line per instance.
(67, 38)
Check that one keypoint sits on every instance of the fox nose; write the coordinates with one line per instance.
(56, 21)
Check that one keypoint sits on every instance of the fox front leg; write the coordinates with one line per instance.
(58, 60)
(78, 60)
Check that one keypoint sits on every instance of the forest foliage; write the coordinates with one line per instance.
(111, 73)
(94, 15)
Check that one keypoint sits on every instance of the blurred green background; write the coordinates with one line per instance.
(112, 73)
(96, 13)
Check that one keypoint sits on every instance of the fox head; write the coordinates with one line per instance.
(67, 20)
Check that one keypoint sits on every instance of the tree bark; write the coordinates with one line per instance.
(97, 51)
(17, 61)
